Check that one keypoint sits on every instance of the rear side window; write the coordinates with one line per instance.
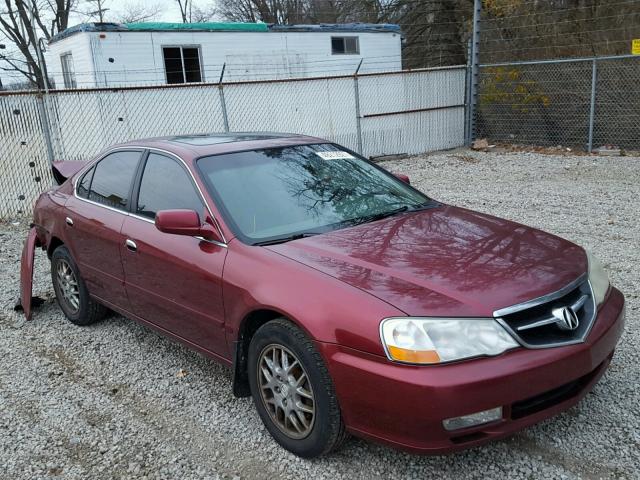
(112, 179)
(166, 185)
(85, 184)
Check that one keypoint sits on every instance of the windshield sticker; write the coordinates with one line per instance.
(336, 155)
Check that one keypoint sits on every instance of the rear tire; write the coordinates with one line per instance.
(292, 390)
(71, 291)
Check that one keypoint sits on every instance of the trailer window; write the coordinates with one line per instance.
(345, 46)
(182, 64)
(68, 72)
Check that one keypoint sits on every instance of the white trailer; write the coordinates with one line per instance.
(116, 55)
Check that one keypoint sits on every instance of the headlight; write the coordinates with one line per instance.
(438, 340)
(598, 278)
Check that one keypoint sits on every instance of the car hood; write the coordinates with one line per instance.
(443, 261)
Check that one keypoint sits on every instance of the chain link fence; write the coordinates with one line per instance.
(582, 103)
(375, 114)
(24, 161)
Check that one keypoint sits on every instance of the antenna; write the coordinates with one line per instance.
(99, 11)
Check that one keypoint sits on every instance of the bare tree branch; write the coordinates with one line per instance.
(138, 12)
(22, 22)
(185, 9)
(203, 14)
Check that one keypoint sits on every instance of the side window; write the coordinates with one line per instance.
(112, 179)
(345, 46)
(68, 72)
(85, 183)
(166, 185)
(182, 64)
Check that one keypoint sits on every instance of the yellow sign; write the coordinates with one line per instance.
(635, 46)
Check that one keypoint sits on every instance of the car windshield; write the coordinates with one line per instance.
(280, 194)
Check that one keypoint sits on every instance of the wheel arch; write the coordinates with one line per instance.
(54, 243)
(248, 327)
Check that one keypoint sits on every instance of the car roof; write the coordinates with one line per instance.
(204, 144)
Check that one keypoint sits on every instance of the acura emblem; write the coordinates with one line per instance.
(566, 318)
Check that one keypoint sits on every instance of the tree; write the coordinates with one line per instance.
(280, 11)
(185, 10)
(191, 13)
(22, 23)
(138, 12)
(203, 14)
(130, 12)
(435, 31)
(97, 11)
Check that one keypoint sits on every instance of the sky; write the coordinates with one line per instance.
(170, 9)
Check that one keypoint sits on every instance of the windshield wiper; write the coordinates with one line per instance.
(390, 213)
(296, 236)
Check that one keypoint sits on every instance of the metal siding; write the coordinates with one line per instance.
(415, 132)
(79, 47)
(138, 56)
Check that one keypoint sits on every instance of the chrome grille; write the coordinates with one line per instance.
(546, 322)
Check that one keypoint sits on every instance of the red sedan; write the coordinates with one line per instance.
(344, 299)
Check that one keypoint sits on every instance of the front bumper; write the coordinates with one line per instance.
(404, 406)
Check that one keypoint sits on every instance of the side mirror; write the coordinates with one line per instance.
(403, 177)
(184, 222)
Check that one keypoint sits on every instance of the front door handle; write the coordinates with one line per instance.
(69, 221)
(131, 245)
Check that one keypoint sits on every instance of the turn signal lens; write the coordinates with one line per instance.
(414, 356)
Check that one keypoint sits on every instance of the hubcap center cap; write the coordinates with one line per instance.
(284, 390)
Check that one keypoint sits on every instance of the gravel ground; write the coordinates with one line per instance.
(116, 400)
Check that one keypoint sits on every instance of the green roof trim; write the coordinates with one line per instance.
(223, 27)
(204, 26)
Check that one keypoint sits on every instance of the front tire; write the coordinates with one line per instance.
(292, 390)
(71, 291)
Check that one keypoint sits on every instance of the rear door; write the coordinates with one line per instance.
(94, 218)
(173, 281)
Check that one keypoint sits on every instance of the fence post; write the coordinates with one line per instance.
(475, 60)
(592, 109)
(44, 120)
(42, 104)
(356, 92)
(467, 97)
(223, 104)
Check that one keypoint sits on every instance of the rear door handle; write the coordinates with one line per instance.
(131, 245)
(69, 221)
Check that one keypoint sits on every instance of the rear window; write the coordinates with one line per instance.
(112, 179)
(85, 183)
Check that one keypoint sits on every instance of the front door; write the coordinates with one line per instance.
(173, 281)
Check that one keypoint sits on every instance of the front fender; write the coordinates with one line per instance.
(26, 271)
(327, 309)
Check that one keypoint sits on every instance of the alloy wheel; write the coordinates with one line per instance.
(286, 391)
(68, 285)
